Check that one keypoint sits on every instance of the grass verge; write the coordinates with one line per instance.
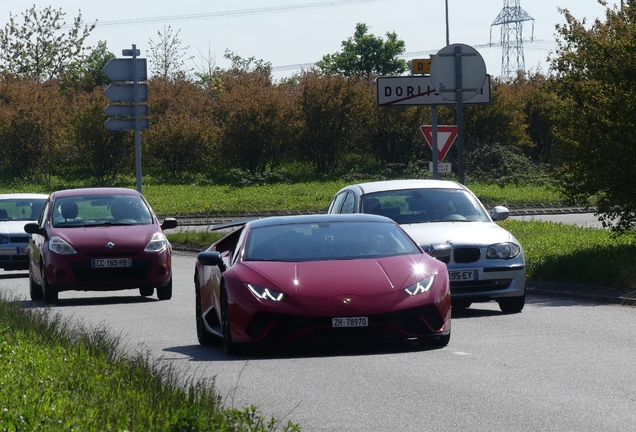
(56, 376)
(206, 200)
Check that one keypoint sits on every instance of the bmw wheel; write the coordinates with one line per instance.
(512, 304)
(460, 304)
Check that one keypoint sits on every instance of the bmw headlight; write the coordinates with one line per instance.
(420, 287)
(157, 243)
(265, 293)
(61, 246)
(503, 251)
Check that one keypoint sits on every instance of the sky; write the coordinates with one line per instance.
(291, 34)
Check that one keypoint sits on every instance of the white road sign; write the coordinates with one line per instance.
(419, 90)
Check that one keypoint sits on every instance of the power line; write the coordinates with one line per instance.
(227, 14)
(536, 44)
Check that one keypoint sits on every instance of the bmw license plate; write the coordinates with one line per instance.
(463, 275)
(350, 322)
(111, 262)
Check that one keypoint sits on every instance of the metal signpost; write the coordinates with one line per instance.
(458, 71)
(128, 117)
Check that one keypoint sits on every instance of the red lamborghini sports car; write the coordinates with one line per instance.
(320, 277)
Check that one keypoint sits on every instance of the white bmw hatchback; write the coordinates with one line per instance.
(487, 262)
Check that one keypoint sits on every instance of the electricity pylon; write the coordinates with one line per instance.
(511, 20)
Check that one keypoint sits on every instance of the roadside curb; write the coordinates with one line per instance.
(626, 296)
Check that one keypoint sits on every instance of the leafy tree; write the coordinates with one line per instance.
(168, 55)
(38, 49)
(366, 54)
(179, 143)
(87, 74)
(396, 138)
(207, 72)
(94, 151)
(338, 113)
(251, 64)
(259, 122)
(595, 81)
(31, 123)
(501, 121)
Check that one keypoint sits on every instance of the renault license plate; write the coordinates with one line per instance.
(111, 262)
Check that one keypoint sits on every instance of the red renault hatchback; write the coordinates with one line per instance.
(98, 239)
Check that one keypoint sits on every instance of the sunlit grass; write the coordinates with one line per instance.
(557, 252)
(56, 376)
(196, 200)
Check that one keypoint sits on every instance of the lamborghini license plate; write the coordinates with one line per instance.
(350, 322)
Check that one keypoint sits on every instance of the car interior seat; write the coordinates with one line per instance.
(3, 215)
(69, 210)
(371, 206)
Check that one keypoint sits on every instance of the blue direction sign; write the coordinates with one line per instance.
(125, 124)
(126, 92)
(130, 52)
(125, 110)
(123, 69)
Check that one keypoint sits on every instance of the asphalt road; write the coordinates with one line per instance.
(579, 219)
(560, 365)
(582, 219)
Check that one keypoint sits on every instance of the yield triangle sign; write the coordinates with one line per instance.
(446, 136)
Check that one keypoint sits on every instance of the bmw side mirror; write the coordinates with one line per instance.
(500, 213)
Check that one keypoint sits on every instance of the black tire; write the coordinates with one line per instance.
(35, 290)
(146, 291)
(460, 304)
(512, 305)
(229, 346)
(205, 337)
(165, 292)
(49, 292)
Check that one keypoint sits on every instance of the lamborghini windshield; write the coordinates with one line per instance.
(327, 241)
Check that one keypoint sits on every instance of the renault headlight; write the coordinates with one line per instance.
(61, 246)
(157, 243)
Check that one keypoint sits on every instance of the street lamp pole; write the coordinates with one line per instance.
(434, 115)
(447, 37)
